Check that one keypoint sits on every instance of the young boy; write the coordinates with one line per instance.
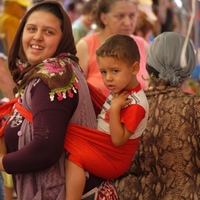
(121, 122)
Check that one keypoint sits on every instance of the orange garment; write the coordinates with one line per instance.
(94, 76)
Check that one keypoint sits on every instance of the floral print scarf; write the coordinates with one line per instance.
(55, 72)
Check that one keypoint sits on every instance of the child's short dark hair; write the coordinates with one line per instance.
(121, 47)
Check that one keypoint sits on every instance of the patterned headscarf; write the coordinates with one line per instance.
(164, 58)
(64, 56)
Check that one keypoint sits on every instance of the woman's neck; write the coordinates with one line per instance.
(103, 35)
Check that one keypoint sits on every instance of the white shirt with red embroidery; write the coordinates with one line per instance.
(134, 116)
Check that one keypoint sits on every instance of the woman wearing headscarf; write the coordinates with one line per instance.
(51, 86)
(166, 165)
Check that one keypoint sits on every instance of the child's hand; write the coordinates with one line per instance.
(121, 100)
(3, 149)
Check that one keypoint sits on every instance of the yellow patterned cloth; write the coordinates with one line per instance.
(8, 181)
(8, 27)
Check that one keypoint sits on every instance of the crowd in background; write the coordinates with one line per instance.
(156, 15)
(165, 15)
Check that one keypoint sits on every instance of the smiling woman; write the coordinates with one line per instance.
(40, 37)
(45, 69)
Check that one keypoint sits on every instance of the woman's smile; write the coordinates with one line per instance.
(40, 40)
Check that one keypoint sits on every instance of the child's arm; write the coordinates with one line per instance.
(119, 133)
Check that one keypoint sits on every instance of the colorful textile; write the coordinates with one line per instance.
(54, 72)
(106, 191)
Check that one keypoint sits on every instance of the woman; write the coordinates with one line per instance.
(49, 84)
(112, 17)
(167, 162)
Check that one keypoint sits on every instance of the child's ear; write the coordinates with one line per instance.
(135, 68)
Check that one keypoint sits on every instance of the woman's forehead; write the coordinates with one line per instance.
(119, 4)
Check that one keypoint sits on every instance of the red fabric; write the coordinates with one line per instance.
(132, 116)
(98, 98)
(25, 113)
(94, 151)
(6, 109)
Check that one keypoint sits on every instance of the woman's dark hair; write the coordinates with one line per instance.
(154, 80)
(151, 70)
(102, 6)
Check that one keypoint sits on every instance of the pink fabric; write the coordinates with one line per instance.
(143, 72)
(94, 76)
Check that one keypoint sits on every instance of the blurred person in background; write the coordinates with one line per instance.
(144, 27)
(73, 8)
(13, 11)
(168, 18)
(82, 25)
(6, 83)
(171, 22)
(146, 22)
